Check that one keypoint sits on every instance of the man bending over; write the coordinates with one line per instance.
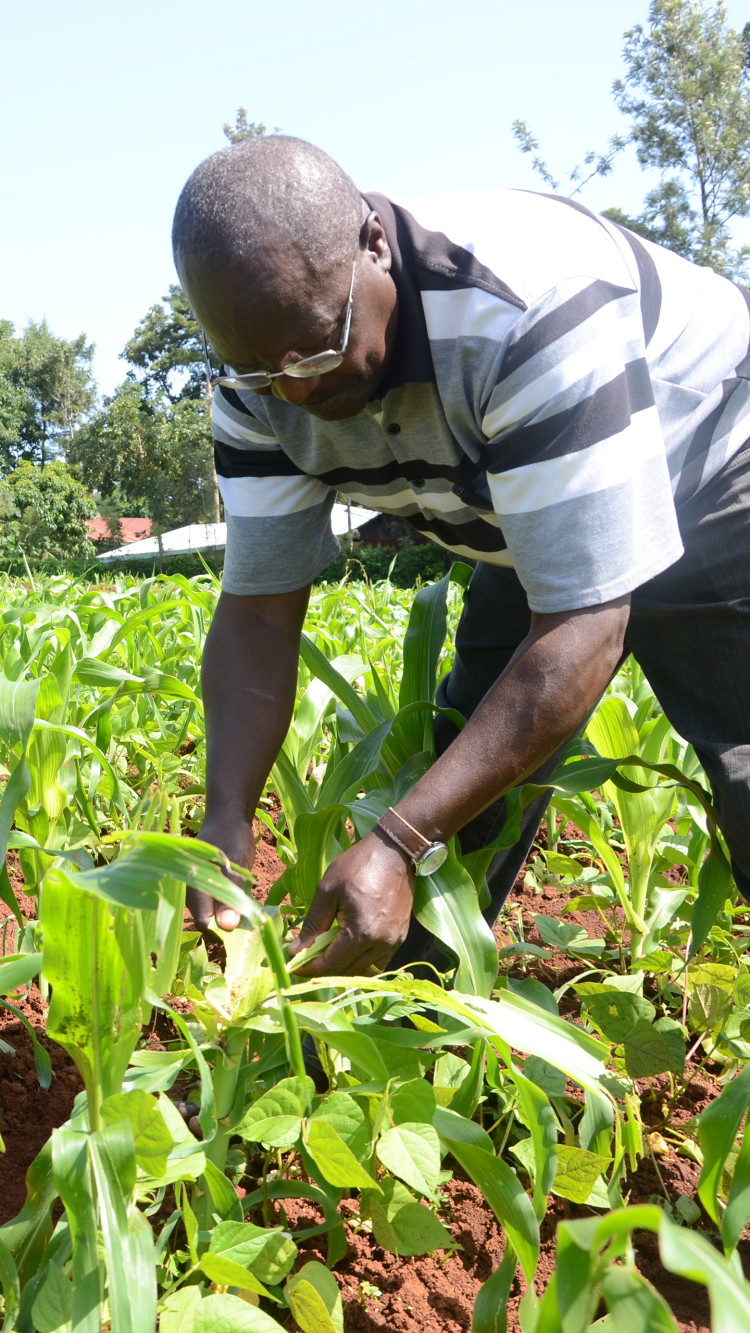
(529, 385)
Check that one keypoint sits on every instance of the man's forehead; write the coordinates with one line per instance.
(266, 288)
(248, 323)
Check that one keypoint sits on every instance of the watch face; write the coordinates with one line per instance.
(432, 859)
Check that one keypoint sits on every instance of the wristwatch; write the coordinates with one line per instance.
(425, 856)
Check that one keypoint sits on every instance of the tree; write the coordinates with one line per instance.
(46, 391)
(168, 375)
(244, 128)
(666, 219)
(14, 400)
(167, 348)
(43, 512)
(687, 93)
(149, 455)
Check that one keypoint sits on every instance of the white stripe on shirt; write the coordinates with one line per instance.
(267, 497)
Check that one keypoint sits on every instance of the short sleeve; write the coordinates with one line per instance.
(278, 519)
(577, 466)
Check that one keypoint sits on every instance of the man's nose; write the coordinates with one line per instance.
(294, 390)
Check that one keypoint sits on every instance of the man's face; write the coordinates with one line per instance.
(263, 321)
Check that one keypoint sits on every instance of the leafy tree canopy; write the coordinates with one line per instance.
(166, 350)
(43, 512)
(149, 455)
(244, 128)
(686, 92)
(46, 391)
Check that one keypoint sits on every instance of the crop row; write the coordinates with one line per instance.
(102, 739)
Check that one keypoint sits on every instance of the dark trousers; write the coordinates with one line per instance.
(689, 629)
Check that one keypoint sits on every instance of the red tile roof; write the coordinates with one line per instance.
(132, 529)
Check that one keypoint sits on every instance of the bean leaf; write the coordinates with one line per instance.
(412, 1152)
(334, 1159)
(226, 1273)
(349, 1121)
(315, 1300)
(153, 1141)
(615, 1013)
(577, 1172)
(648, 1053)
(276, 1117)
(242, 1242)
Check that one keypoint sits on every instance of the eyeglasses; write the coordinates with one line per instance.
(320, 364)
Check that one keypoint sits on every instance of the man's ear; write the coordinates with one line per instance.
(377, 241)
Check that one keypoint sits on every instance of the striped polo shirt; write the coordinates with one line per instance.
(558, 389)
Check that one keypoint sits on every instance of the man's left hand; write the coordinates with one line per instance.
(369, 890)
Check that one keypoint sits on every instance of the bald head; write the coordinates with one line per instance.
(265, 234)
(266, 196)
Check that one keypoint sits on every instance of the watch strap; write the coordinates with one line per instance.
(405, 836)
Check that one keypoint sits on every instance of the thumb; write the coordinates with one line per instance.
(226, 917)
(319, 919)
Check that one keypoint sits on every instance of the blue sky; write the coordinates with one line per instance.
(105, 108)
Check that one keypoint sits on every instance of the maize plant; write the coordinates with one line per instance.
(132, 1219)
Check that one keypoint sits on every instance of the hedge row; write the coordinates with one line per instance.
(425, 563)
(413, 563)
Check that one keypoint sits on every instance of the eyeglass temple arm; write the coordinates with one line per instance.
(207, 360)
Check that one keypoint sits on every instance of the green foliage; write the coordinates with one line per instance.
(167, 349)
(46, 391)
(101, 736)
(595, 1262)
(687, 93)
(43, 513)
(244, 128)
(373, 563)
(151, 451)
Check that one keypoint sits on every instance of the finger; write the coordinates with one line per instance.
(374, 961)
(319, 919)
(226, 917)
(340, 959)
(201, 906)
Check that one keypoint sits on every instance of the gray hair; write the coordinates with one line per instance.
(237, 199)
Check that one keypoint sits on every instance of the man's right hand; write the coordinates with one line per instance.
(236, 841)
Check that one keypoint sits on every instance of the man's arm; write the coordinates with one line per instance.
(250, 666)
(552, 681)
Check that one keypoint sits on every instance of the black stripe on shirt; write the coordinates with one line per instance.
(442, 264)
(398, 470)
(691, 472)
(560, 321)
(742, 371)
(232, 399)
(475, 534)
(231, 462)
(411, 359)
(650, 283)
(605, 413)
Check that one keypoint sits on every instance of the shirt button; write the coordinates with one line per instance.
(458, 489)
(418, 483)
(394, 428)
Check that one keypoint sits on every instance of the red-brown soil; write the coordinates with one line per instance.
(431, 1294)
(28, 1115)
